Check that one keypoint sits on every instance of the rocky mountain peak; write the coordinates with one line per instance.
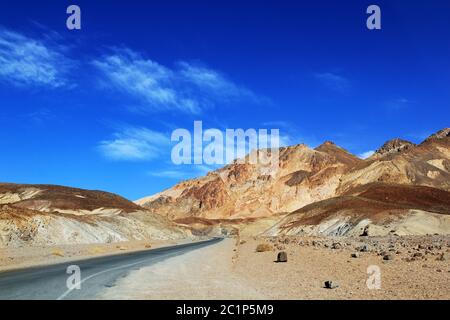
(441, 134)
(393, 146)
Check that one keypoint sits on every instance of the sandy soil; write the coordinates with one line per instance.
(309, 266)
(232, 269)
(201, 274)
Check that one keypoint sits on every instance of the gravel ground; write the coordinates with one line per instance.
(411, 272)
(233, 269)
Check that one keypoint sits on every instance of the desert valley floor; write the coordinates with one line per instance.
(411, 268)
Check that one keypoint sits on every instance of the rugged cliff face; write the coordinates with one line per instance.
(391, 147)
(321, 183)
(375, 209)
(243, 190)
(45, 215)
(426, 164)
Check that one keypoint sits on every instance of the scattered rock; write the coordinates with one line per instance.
(441, 257)
(365, 232)
(388, 257)
(262, 247)
(336, 245)
(363, 248)
(282, 256)
(331, 284)
(355, 255)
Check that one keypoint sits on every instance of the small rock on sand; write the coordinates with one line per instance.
(331, 284)
(282, 256)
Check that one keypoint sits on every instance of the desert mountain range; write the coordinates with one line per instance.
(401, 189)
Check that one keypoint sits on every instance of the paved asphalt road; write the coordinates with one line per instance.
(49, 282)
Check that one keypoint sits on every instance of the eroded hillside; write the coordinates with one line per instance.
(325, 190)
(48, 215)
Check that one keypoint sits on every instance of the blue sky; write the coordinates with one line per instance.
(95, 108)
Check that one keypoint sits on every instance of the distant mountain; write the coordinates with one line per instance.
(51, 198)
(442, 134)
(392, 146)
(375, 209)
(47, 214)
(310, 179)
(248, 190)
(426, 164)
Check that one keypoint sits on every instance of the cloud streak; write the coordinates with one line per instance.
(398, 104)
(187, 87)
(134, 144)
(25, 61)
(186, 173)
(334, 81)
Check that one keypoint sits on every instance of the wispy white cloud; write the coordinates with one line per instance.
(134, 143)
(186, 172)
(398, 104)
(186, 87)
(26, 61)
(366, 154)
(40, 116)
(334, 81)
(212, 82)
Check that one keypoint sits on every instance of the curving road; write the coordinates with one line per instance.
(49, 282)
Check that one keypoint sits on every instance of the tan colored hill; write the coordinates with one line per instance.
(441, 134)
(307, 177)
(50, 198)
(376, 209)
(427, 164)
(46, 215)
(396, 145)
(403, 190)
(243, 190)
